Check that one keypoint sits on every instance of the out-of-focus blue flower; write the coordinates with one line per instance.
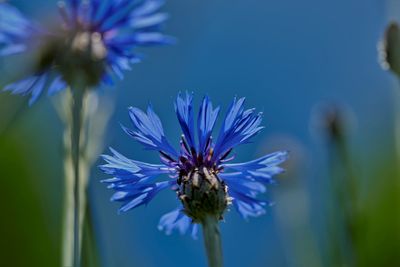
(200, 165)
(94, 41)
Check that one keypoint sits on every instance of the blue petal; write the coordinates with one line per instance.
(127, 171)
(126, 43)
(133, 180)
(149, 131)
(148, 7)
(38, 88)
(57, 85)
(107, 79)
(262, 169)
(205, 123)
(184, 111)
(14, 30)
(12, 21)
(236, 182)
(33, 85)
(149, 21)
(141, 195)
(176, 220)
(239, 126)
(100, 9)
(117, 15)
(111, 15)
(249, 181)
(126, 24)
(244, 193)
(74, 8)
(248, 206)
(152, 38)
(119, 64)
(273, 159)
(12, 49)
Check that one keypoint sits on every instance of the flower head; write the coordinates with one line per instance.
(201, 171)
(95, 40)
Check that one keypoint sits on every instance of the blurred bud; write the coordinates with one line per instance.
(332, 121)
(389, 49)
(78, 56)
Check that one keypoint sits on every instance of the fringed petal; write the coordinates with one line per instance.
(184, 112)
(149, 131)
(176, 220)
(239, 126)
(205, 123)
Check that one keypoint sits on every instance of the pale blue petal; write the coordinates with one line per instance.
(149, 131)
(57, 85)
(127, 171)
(176, 220)
(134, 199)
(239, 126)
(248, 206)
(273, 159)
(149, 21)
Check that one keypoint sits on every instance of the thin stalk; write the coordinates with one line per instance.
(345, 192)
(212, 241)
(77, 118)
(90, 254)
(68, 217)
(396, 97)
(92, 121)
(397, 133)
(74, 196)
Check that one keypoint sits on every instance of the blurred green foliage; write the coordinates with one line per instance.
(365, 220)
(30, 228)
(26, 238)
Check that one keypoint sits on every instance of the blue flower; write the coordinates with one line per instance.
(94, 42)
(201, 171)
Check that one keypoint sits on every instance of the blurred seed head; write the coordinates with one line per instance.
(389, 49)
(332, 122)
(79, 56)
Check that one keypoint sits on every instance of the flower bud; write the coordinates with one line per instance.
(202, 194)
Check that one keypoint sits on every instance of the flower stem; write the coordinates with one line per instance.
(77, 115)
(212, 241)
(84, 117)
(74, 198)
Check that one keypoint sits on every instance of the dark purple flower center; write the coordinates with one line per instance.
(200, 190)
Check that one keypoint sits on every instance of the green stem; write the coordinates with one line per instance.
(397, 135)
(74, 196)
(68, 217)
(90, 254)
(212, 241)
(82, 118)
(77, 119)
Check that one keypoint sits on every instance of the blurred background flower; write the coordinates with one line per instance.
(92, 42)
(304, 53)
